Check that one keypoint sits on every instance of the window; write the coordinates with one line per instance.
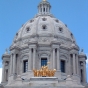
(44, 27)
(44, 9)
(16, 34)
(31, 21)
(72, 35)
(63, 66)
(25, 63)
(60, 29)
(27, 29)
(44, 19)
(57, 21)
(43, 61)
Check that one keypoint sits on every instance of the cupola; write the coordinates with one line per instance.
(44, 7)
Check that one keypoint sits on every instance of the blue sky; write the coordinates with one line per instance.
(14, 13)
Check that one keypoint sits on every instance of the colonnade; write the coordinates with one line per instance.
(13, 64)
(55, 63)
(74, 64)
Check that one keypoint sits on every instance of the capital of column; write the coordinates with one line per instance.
(55, 46)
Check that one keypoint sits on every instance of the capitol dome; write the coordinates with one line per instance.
(44, 42)
(45, 27)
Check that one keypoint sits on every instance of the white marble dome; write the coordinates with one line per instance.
(44, 25)
(47, 26)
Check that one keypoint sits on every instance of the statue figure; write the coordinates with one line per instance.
(41, 73)
(35, 73)
(44, 72)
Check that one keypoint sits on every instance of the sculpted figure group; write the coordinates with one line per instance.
(44, 72)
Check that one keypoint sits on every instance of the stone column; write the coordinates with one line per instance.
(74, 67)
(34, 57)
(84, 72)
(45, 9)
(77, 64)
(3, 72)
(5, 75)
(42, 8)
(29, 60)
(18, 65)
(53, 58)
(58, 60)
(11, 63)
(14, 64)
(70, 70)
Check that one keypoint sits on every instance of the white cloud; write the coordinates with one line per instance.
(0, 75)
